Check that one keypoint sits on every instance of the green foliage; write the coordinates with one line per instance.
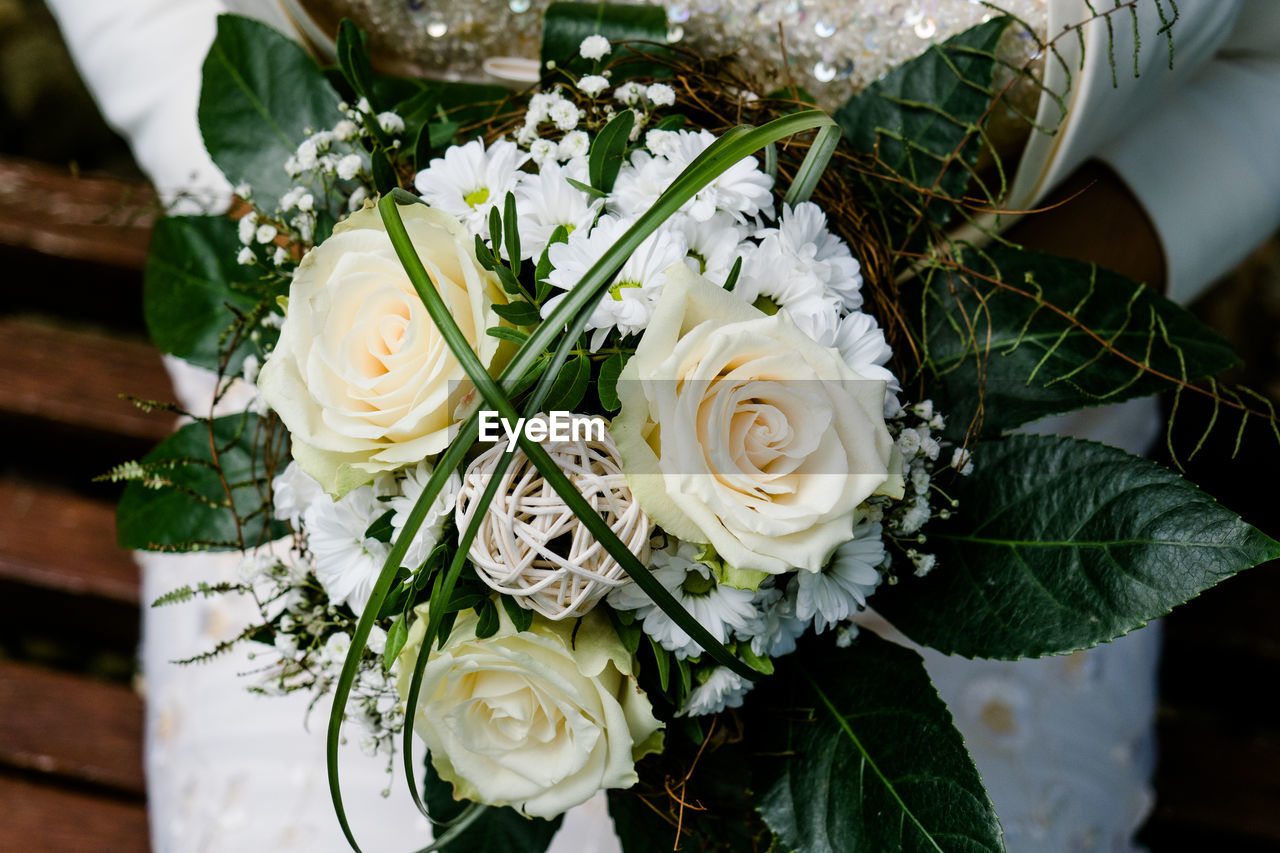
(607, 387)
(921, 123)
(260, 98)
(1060, 544)
(608, 150)
(186, 506)
(194, 291)
(565, 25)
(1027, 335)
(497, 830)
(870, 760)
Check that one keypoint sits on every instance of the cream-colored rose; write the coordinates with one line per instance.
(361, 375)
(539, 720)
(738, 430)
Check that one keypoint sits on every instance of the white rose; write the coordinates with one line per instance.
(539, 720)
(740, 431)
(361, 376)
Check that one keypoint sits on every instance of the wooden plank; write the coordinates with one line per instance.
(74, 379)
(84, 560)
(1214, 777)
(84, 218)
(44, 819)
(71, 727)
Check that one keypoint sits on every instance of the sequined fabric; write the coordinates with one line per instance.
(832, 48)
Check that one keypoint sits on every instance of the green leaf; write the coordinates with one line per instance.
(487, 624)
(520, 313)
(608, 150)
(261, 97)
(380, 528)
(565, 25)
(195, 508)
(385, 178)
(397, 634)
(871, 760)
(1060, 544)
(1054, 335)
(191, 278)
(510, 223)
(916, 117)
(498, 830)
(353, 60)
(607, 386)
(507, 334)
(570, 386)
(521, 617)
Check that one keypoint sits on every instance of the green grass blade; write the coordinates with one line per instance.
(815, 163)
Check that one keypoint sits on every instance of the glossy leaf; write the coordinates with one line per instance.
(1060, 544)
(1055, 335)
(191, 278)
(565, 25)
(261, 95)
(194, 512)
(871, 762)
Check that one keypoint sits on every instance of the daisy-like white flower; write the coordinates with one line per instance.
(546, 200)
(778, 627)
(634, 291)
(818, 316)
(803, 242)
(712, 246)
(833, 595)
(411, 487)
(347, 563)
(722, 689)
(292, 491)
(723, 610)
(469, 180)
(742, 191)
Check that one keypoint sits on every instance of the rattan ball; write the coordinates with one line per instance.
(531, 546)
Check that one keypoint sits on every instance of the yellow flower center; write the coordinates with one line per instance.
(616, 290)
(475, 198)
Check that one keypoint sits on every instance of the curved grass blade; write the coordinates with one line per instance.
(814, 164)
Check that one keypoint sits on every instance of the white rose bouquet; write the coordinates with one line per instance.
(575, 416)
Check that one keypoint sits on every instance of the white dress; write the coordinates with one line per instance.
(1064, 744)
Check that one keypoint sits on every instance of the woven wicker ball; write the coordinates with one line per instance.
(531, 546)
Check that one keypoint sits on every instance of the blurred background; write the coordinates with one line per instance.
(75, 214)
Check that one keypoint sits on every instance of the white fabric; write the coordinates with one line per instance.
(1062, 743)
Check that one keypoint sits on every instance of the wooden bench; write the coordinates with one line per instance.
(70, 722)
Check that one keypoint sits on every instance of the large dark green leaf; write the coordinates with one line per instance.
(1060, 544)
(260, 98)
(1056, 335)
(567, 24)
(497, 830)
(923, 115)
(193, 513)
(192, 277)
(871, 761)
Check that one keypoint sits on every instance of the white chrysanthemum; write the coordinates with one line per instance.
(634, 291)
(723, 610)
(594, 47)
(723, 688)
(841, 589)
(862, 346)
(800, 256)
(712, 246)
(347, 562)
(778, 627)
(469, 180)
(293, 490)
(411, 487)
(742, 191)
(817, 315)
(546, 200)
